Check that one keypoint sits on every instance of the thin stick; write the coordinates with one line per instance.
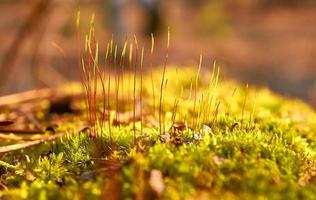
(21, 131)
(6, 123)
(13, 137)
(15, 147)
(31, 95)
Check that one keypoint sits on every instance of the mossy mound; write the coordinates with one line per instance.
(220, 139)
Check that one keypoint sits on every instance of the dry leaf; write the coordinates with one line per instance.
(156, 182)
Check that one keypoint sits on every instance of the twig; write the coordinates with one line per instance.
(16, 138)
(21, 131)
(15, 147)
(6, 123)
(27, 96)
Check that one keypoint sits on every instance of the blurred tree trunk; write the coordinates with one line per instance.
(40, 10)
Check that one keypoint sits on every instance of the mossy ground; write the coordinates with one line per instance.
(221, 140)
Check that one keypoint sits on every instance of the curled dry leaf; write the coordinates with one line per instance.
(235, 124)
(84, 129)
(52, 128)
(218, 160)
(179, 126)
(29, 176)
(156, 182)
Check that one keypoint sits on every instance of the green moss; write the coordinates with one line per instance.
(252, 145)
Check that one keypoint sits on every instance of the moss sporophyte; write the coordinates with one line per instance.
(172, 132)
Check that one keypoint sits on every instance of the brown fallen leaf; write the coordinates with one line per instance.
(112, 165)
(181, 126)
(3, 186)
(6, 123)
(29, 176)
(112, 188)
(218, 160)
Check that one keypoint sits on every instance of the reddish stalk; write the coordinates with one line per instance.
(208, 105)
(244, 104)
(79, 48)
(187, 102)
(200, 120)
(141, 90)
(163, 80)
(174, 112)
(93, 51)
(122, 61)
(164, 119)
(210, 95)
(216, 113)
(119, 77)
(134, 89)
(252, 114)
(130, 63)
(92, 79)
(151, 74)
(195, 90)
(88, 83)
(109, 91)
(95, 86)
(99, 74)
(176, 102)
(103, 78)
(117, 84)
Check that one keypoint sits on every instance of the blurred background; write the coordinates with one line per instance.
(263, 42)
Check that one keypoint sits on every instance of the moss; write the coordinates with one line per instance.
(252, 145)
